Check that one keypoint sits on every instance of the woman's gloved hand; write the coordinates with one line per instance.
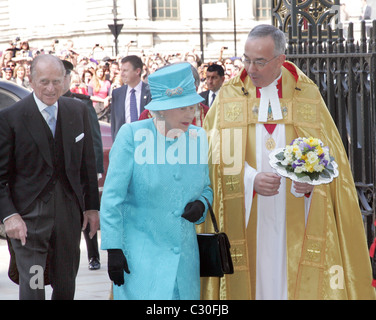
(117, 264)
(193, 211)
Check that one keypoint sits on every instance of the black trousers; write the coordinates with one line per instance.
(91, 244)
(53, 234)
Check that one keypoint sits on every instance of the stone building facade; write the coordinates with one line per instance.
(159, 26)
(154, 25)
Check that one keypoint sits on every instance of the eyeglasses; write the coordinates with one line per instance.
(259, 64)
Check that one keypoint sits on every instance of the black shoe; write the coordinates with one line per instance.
(94, 264)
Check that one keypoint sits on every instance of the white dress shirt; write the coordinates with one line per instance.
(41, 106)
(210, 100)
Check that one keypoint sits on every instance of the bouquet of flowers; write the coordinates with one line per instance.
(305, 160)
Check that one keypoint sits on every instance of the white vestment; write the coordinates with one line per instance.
(271, 264)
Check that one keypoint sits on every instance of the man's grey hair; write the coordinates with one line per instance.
(46, 57)
(267, 30)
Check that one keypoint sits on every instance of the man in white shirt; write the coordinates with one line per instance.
(129, 100)
(215, 76)
(48, 183)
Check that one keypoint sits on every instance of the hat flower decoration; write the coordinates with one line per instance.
(172, 87)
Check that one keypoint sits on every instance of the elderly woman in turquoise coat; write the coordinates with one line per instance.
(156, 191)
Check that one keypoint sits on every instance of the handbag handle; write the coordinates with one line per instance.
(214, 221)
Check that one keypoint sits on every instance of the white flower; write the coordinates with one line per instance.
(318, 168)
(299, 169)
(326, 153)
(288, 154)
(298, 153)
(289, 150)
(312, 157)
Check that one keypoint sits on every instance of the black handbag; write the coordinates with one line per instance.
(215, 256)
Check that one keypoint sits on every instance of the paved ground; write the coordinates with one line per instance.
(91, 285)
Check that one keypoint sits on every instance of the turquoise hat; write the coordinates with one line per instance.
(172, 87)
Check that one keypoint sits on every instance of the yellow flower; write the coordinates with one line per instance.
(320, 151)
(309, 167)
(312, 141)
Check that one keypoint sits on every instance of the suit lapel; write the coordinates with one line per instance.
(143, 97)
(121, 102)
(67, 132)
(207, 97)
(33, 121)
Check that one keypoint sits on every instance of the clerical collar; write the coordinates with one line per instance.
(270, 97)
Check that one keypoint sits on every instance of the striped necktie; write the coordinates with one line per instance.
(213, 98)
(51, 120)
(133, 106)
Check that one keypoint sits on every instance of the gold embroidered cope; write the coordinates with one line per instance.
(334, 234)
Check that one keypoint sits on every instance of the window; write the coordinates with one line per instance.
(263, 9)
(220, 9)
(216, 1)
(165, 9)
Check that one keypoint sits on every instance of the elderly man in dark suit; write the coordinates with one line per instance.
(129, 101)
(48, 181)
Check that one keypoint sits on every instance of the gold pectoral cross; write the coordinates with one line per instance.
(270, 144)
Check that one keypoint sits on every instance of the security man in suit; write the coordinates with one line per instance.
(129, 101)
(48, 182)
(215, 76)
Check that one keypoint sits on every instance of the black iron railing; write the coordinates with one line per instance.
(345, 72)
(291, 13)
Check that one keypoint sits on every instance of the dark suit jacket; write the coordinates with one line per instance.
(367, 13)
(205, 95)
(25, 158)
(95, 127)
(118, 106)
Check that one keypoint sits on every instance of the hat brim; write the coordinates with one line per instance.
(174, 103)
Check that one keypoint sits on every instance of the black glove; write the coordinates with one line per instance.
(193, 211)
(117, 264)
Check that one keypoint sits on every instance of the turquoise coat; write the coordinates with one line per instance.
(150, 180)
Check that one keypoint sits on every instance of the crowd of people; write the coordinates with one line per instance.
(197, 145)
(97, 74)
